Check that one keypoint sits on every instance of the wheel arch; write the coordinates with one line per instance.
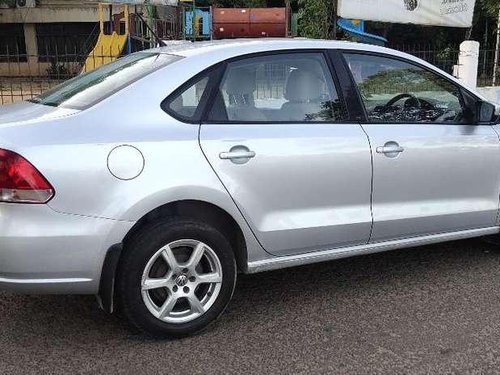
(188, 208)
(203, 211)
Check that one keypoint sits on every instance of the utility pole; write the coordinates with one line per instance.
(485, 58)
(335, 16)
(193, 19)
(288, 18)
(497, 52)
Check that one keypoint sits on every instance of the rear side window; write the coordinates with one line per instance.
(185, 105)
(90, 88)
(292, 87)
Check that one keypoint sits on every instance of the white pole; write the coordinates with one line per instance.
(497, 52)
(468, 61)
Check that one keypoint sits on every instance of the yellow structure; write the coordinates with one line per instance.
(109, 46)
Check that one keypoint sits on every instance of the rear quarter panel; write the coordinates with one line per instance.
(72, 153)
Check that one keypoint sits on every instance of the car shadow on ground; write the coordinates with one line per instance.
(434, 305)
(283, 293)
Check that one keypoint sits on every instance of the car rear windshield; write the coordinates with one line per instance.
(89, 88)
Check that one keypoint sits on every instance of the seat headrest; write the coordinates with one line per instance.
(302, 86)
(240, 82)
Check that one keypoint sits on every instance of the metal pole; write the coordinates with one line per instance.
(193, 20)
(288, 14)
(111, 23)
(211, 23)
(157, 38)
(497, 52)
(485, 57)
(335, 16)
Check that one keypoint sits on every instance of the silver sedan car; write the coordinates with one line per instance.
(153, 181)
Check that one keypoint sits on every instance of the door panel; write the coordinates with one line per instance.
(446, 179)
(433, 171)
(279, 140)
(307, 187)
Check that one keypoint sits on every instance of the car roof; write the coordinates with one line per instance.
(218, 50)
(235, 47)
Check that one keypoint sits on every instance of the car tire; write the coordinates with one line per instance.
(179, 302)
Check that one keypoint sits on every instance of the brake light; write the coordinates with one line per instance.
(20, 181)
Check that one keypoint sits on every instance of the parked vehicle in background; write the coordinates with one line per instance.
(155, 179)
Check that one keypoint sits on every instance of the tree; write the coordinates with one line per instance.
(316, 18)
(8, 3)
(491, 7)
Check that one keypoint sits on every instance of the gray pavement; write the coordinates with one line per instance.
(427, 310)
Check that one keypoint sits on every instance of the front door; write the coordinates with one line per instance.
(433, 170)
(278, 139)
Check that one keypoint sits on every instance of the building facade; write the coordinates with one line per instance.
(32, 33)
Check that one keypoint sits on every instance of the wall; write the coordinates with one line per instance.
(46, 11)
(51, 11)
(490, 93)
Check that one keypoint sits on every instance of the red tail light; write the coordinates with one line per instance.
(21, 182)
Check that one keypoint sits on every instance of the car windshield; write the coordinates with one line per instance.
(89, 88)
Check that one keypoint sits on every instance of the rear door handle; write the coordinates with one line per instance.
(238, 154)
(390, 149)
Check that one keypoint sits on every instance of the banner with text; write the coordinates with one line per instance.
(455, 13)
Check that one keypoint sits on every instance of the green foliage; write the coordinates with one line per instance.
(316, 18)
(445, 54)
(491, 7)
(9, 3)
(316, 21)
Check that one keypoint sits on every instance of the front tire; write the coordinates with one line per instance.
(176, 277)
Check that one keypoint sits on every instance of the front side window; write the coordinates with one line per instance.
(395, 91)
(89, 88)
(294, 87)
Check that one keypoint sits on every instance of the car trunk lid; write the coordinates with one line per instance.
(20, 112)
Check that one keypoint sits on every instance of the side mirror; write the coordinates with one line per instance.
(485, 113)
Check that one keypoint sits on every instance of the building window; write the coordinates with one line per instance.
(12, 44)
(66, 41)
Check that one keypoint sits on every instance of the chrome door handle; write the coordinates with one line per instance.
(238, 154)
(390, 149)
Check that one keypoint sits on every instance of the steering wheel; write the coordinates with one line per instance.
(398, 97)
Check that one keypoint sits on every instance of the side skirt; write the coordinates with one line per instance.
(338, 253)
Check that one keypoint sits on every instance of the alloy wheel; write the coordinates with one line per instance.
(181, 281)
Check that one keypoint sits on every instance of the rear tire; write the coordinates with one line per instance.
(176, 277)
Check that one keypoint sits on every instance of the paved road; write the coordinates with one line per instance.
(433, 309)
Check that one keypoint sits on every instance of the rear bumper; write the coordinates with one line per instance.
(44, 251)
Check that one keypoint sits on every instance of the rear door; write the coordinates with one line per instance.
(434, 171)
(279, 137)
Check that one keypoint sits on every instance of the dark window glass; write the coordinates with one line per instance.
(12, 44)
(89, 88)
(186, 103)
(394, 91)
(278, 88)
(66, 41)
